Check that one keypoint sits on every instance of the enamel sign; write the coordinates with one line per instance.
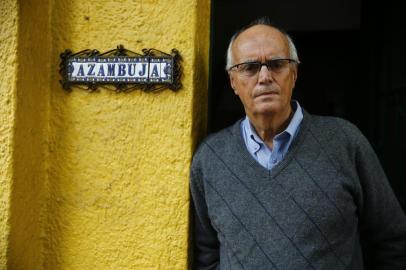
(121, 70)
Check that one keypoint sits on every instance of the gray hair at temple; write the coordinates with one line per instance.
(261, 21)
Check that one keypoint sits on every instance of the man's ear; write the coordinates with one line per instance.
(232, 82)
(294, 76)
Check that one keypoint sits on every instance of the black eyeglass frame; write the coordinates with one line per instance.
(266, 63)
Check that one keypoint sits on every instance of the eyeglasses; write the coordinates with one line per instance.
(250, 69)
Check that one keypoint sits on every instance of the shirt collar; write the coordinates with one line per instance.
(253, 141)
(294, 123)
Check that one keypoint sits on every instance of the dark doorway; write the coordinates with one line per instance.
(352, 62)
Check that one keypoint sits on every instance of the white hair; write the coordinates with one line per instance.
(262, 21)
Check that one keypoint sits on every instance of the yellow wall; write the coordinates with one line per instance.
(100, 180)
(25, 250)
(8, 68)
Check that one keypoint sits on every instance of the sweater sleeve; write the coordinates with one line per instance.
(382, 220)
(206, 244)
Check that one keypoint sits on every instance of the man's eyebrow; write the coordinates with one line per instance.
(250, 60)
(278, 57)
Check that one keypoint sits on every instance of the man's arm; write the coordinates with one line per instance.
(382, 221)
(206, 244)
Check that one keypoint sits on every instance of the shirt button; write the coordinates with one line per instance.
(273, 161)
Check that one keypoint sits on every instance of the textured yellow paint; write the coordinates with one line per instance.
(118, 163)
(97, 180)
(8, 68)
(201, 65)
(30, 137)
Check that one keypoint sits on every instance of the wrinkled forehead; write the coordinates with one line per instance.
(260, 41)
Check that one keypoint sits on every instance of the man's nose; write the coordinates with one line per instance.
(264, 75)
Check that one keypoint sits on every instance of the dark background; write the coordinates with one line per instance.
(352, 54)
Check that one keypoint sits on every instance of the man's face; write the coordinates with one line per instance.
(266, 92)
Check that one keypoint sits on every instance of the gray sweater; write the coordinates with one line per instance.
(326, 205)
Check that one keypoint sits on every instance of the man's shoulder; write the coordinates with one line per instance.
(333, 126)
(218, 142)
(336, 133)
(331, 122)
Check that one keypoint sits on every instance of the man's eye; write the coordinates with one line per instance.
(277, 65)
(249, 67)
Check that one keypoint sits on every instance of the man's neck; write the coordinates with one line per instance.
(269, 125)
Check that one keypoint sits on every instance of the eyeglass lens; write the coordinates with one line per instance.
(252, 68)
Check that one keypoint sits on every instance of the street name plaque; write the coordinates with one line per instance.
(121, 70)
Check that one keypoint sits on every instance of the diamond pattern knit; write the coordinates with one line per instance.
(314, 210)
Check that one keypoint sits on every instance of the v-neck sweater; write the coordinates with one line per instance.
(314, 210)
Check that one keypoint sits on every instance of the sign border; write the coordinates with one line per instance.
(121, 86)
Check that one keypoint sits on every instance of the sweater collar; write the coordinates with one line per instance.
(295, 145)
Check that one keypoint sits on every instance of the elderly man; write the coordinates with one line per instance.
(283, 189)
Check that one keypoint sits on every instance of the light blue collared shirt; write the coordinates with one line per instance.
(267, 157)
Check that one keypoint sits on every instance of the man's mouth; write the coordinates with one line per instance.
(266, 93)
